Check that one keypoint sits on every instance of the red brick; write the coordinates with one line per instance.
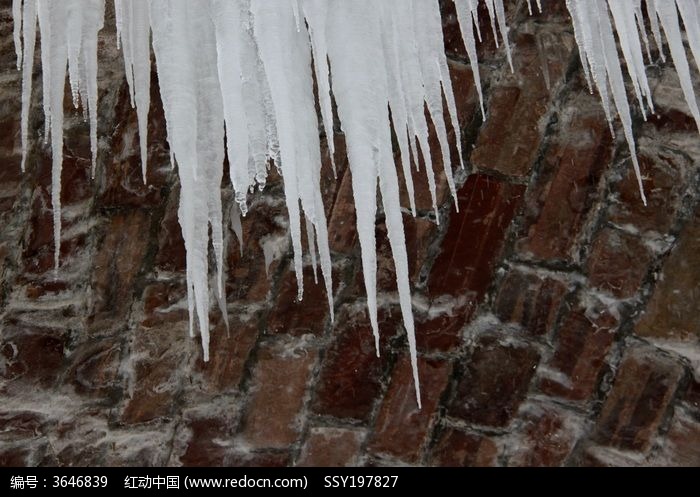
(664, 174)
(672, 311)
(618, 263)
(475, 236)
(277, 390)
(228, 353)
(558, 203)
(531, 300)
(401, 428)
(205, 447)
(94, 367)
(547, 436)
(495, 382)
(164, 302)
(518, 106)
(440, 328)
(581, 347)
(350, 379)
(331, 447)
(682, 444)
(457, 448)
(117, 262)
(295, 317)
(38, 253)
(633, 411)
(32, 354)
(154, 372)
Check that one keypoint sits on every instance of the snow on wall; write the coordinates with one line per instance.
(244, 70)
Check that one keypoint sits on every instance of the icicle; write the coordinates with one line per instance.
(315, 12)
(655, 29)
(669, 21)
(134, 32)
(466, 12)
(29, 41)
(361, 94)
(17, 30)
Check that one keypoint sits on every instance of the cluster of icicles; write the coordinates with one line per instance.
(245, 69)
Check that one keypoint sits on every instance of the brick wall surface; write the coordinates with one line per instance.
(556, 316)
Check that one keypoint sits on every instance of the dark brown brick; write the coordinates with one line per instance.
(547, 437)
(457, 448)
(672, 310)
(401, 428)
(296, 317)
(349, 381)
(682, 444)
(331, 447)
(439, 329)
(664, 174)
(228, 353)
(618, 263)
(517, 108)
(634, 409)
(475, 237)
(32, 353)
(117, 262)
(155, 371)
(278, 386)
(496, 381)
(530, 300)
(559, 201)
(581, 347)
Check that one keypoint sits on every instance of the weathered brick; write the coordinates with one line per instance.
(204, 446)
(116, 264)
(664, 174)
(331, 447)
(401, 427)
(518, 106)
(558, 203)
(349, 381)
(164, 302)
(496, 381)
(581, 347)
(672, 311)
(277, 389)
(155, 369)
(475, 236)
(457, 448)
(617, 263)
(530, 300)
(228, 353)
(643, 388)
(93, 367)
(32, 354)
(439, 329)
(682, 444)
(296, 317)
(547, 436)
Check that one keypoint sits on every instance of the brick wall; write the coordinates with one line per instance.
(556, 316)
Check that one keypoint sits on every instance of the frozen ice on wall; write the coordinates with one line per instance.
(244, 70)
